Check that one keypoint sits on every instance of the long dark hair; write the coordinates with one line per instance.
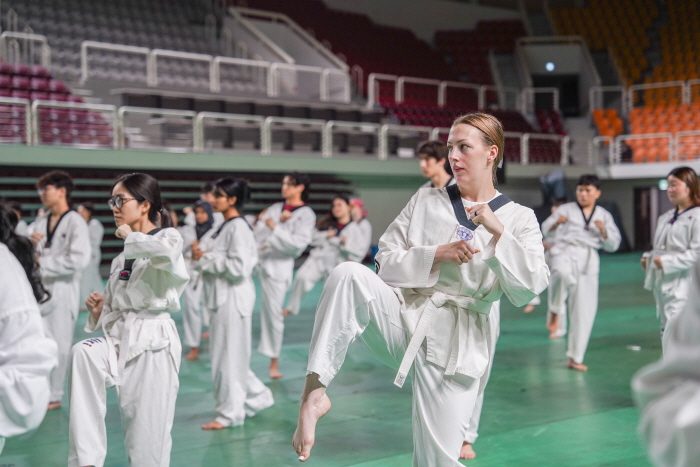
(329, 221)
(690, 178)
(300, 179)
(143, 187)
(230, 187)
(23, 250)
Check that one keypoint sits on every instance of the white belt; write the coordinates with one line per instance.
(119, 363)
(437, 300)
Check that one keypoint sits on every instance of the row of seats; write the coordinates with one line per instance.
(608, 122)
(620, 26)
(669, 118)
(375, 48)
(680, 39)
(550, 121)
(468, 50)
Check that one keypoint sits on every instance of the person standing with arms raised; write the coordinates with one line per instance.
(283, 231)
(62, 243)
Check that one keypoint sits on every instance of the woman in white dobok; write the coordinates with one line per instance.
(437, 279)
(676, 247)
(337, 238)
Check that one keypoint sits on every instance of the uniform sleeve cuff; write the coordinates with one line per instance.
(498, 248)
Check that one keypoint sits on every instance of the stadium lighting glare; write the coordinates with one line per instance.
(549, 66)
(663, 184)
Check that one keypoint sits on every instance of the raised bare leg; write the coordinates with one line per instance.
(314, 405)
(528, 309)
(552, 322)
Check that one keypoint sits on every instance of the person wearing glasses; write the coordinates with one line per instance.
(140, 351)
(62, 242)
(283, 231)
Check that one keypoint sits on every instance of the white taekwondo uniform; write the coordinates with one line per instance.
(91, 280)
(677, 243)
(326, 254)
(575, 268)
(62, 258)
(229, 294)
(410, 300)
(278, 248)
(668, 392)
(139, 353)
(194, 317)
(27, 355)
(22, 229)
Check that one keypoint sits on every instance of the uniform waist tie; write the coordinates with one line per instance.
(437, 300)
(119, 363)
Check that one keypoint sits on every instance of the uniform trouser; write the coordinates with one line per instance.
(667, 308)
(271, 318)
(192, 315)
(472, 428)
(237, 391)
(356, 303)
(306, 278)
(59, 324)
(579, 294)
(146, 402)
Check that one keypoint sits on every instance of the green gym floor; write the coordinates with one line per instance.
(536, 412)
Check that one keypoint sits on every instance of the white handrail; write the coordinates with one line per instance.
(595, 96)
(84, 71)
(383, 152)
(45, 49)
(276, 49)
(215, 85)
(372, 86)
(363, 127)
(155, 53)
(121, 140)
(256, 120)
(663, 84)
(28, 114)
(70, 105)
(326, 84)
(266, 130)
(620, 138)
(399, 89)
(358, 77)
(311, 40)
(593, 145)
(689, 89)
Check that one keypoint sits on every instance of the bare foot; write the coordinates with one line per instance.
(286, 312)
(467, 451)
(314, 405)
(558, 334)
(205, 335)
(275, 369)
(193, 355)
(213, 426)
(527, 309)
(576, 366)
(54, 405)
(552, 322)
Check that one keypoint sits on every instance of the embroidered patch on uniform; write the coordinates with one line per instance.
(125, 275)
(90, 342)
(464, 233)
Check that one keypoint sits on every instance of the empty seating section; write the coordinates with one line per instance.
(665, 119)
(680, 43)
(550, 122)
(620, 25)
(375, 48)
(174, 25)
(56, 126)
(608, 122)
(468, 51)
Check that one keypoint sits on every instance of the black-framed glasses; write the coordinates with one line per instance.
(117, 202)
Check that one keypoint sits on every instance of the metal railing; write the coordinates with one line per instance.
(617, 153)
(596, 97)
(401, 83)
(362, 128)
(224, 119)
(287, 123)
(680, 147)
(662, 85)
(129, 49)
(333, 84)
(383, 152)
(121, 115)
(105, 108)
(594, 149)
(18, 101)
(527, 99)
(564, 142)
(29, 39)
